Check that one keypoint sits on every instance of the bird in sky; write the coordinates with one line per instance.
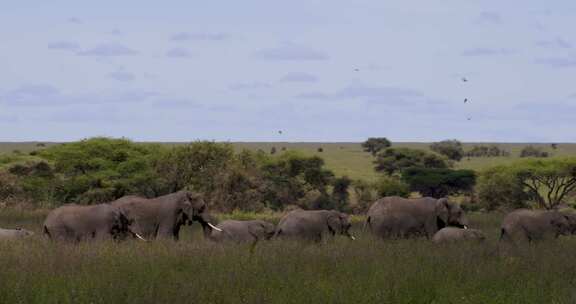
(279, 131)
(357, 70)
(464, 79)
(465, 100)
(469, 118)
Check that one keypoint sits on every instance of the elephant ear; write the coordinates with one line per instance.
(443, 210)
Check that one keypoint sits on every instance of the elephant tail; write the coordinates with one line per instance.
(277, 233)
(367, 224)
(47, 232)
(504, 235)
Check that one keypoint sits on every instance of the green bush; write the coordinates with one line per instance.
(391, 186)
(452, 149)
(499, 188)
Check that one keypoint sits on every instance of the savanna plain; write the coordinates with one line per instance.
(338, 270)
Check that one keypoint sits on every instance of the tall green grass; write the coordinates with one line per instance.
(338, 271)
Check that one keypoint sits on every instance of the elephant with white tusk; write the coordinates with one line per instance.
(397, 217)
(77, 223)
(241, 231)
(312, 225)
(162, 217)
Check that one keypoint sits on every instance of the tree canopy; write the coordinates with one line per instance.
(376, 144)
(439, 182)
(452, 149)
(394, 160)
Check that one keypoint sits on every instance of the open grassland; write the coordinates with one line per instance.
(348, 158)
(340, 271)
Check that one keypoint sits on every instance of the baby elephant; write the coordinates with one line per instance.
(453, 234)
(241, 231)
(18, 233)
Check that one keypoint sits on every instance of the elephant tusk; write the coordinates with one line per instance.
(140, 237)
(465, 227)
(214, 227)
(352, 238)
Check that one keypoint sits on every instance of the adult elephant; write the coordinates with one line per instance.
(77, 223)
(397, 217)
(312, 225)
(162, 217)
(534, 225)
(454, 234)
(18, 233)
(241, 231)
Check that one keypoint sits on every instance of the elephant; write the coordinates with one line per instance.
(454, 234)
(77, 223)
(397, 217)
(241, 231)
(533, 225)
(18, 233)
(162, 217)
(312, 225)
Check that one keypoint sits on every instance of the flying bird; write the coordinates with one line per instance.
(464, 79)
(465, 100)
(279, 131)
(357, 70)
(469, 118)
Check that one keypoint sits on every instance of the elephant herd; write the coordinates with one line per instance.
(134, 217)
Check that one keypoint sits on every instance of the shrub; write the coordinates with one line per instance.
(486, 151)
(391, 186)
(499, 188)
(531, 151)
(452, 149)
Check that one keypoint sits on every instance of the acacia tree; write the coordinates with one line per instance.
(394, 160)
(376, 144)
(547, 182)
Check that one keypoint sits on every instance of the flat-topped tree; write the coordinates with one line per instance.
(547, 182)
(376, 144)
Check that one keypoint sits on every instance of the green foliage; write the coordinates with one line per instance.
(499, 188)
(531, 151)
(391, 186)
(365, 195)
(376, 144)
(340, 194)
(452, 149)
(547, 181)
(100, 169)
(487, 151)
(394, 160)
(290, 176)
(435, 182)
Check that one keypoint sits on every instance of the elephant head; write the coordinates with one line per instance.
(20, 232)
(268, 228)
(120, 228)
(339, 223)
(563, 223)
(193, 208)
(450, 214)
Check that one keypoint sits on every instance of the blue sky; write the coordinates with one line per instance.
(338, 70)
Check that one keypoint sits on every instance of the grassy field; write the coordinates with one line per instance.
(348, 158)
(340, 271)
